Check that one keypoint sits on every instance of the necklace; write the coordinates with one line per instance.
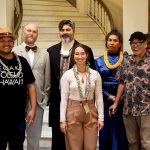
(82, 76)
(118, 63)
(88, 85)
(82, 80)
(9, 72)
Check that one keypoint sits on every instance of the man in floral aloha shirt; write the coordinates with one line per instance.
(134, 78)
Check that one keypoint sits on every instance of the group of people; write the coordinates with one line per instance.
(109, 95)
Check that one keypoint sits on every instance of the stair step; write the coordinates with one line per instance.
(55, 30)
(44, 36)
(55, 18)
(79, 30)
(45, 144)
(46, 130)
(93, 41)
(50, 13)
(55, 23)
(50, 42)
(47, 8)
(45, 116)
(98, 47)
(44, 2)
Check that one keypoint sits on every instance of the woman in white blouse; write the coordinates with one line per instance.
(80, 120)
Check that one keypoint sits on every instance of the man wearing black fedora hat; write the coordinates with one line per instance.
(16, 82)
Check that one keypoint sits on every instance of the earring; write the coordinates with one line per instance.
(88, 63)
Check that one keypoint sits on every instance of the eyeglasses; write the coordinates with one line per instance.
(136, 43)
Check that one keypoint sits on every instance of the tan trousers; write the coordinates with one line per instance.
(138, 132)
(82, 128)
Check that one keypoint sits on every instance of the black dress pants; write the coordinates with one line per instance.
(58, 138)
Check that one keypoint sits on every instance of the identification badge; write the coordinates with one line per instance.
(86, 108)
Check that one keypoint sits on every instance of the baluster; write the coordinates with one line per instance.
(94, 9)
(90, 8)
(98, 11)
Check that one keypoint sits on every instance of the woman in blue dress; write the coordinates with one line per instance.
(112, 136)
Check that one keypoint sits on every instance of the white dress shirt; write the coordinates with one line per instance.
(31, 56)
(69, 90)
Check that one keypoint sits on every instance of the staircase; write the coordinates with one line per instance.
(48, 13)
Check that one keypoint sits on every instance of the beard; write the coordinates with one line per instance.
(66, 39)
(30, 40)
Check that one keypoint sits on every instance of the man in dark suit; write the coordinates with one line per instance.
(60, 62)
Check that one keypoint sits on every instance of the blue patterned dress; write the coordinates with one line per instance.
(112, 136)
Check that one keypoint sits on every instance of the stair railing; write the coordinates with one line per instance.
(72, 2)
(98, 11)
(18, 14)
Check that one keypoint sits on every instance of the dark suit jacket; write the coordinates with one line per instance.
(54, 99)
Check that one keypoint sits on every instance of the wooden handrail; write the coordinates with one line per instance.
(18, 14)
(101, 15)
(72, 2)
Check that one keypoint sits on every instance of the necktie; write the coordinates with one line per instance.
(64, 64)
(34, 48)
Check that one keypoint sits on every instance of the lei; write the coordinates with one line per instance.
(88, 85)
(9, 72)
(118, 63)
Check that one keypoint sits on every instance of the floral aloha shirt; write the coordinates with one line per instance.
(136, 77)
